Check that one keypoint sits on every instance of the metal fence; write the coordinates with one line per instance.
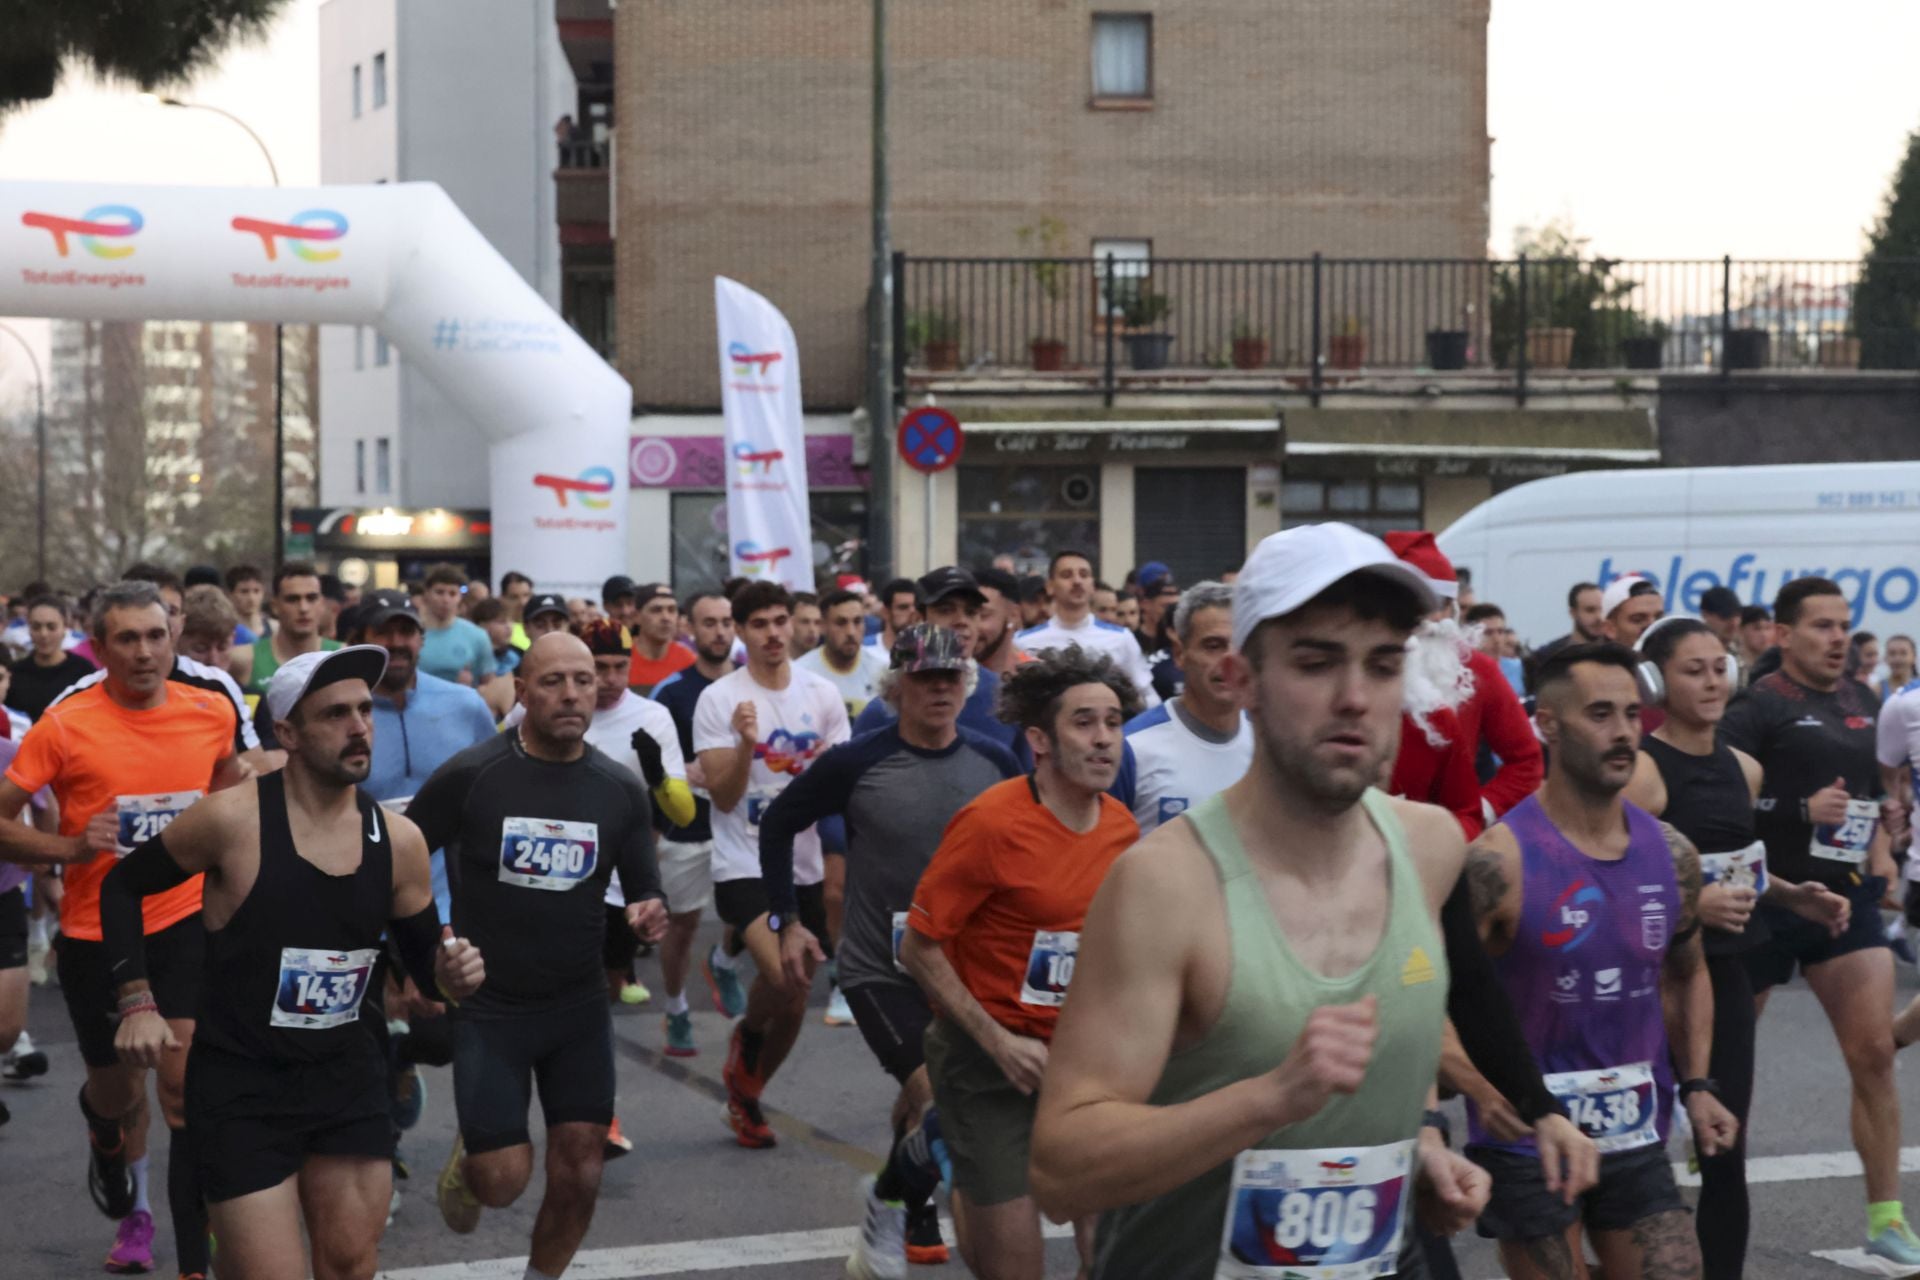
(1361, 325)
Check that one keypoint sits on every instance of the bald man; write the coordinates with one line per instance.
(535, 823)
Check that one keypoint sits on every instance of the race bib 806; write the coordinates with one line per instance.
(321, 989)
(1331, 1214)
(144, 817)
(537, 853)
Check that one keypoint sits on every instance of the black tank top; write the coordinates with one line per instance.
(1709, 802)
(288, 974)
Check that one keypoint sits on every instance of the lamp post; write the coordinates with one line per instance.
(40, 450)
(279, 347)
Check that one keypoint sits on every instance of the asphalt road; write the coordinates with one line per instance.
(688, 1201)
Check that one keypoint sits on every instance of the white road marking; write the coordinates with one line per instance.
(686, 1257)
(1859, 1260)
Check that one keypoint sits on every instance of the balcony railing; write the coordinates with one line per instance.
(583, 153)
(1380, 326)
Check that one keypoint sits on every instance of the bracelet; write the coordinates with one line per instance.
(138, 1002)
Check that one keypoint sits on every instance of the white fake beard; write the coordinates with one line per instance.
(1437, 676)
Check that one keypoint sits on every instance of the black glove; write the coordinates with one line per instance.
(651, 767)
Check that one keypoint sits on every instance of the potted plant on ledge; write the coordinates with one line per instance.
(1249, 345)
(1147, 347)
(1049, 272)
(1347, 346)
(935, 334)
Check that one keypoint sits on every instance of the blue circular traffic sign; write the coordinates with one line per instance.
(930, 439)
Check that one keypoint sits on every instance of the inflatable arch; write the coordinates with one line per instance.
(400, 258)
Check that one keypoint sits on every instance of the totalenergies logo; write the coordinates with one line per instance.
(1575, 911)
(751, 460)
(102, 222)
(747, 362)
(590, 486)
(301, 232)
(789, 753)
(1339, 1170)
(754, 561)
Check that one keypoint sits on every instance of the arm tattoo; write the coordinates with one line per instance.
(1486, 879)
(1686, 870)
(1550, 1256)
(1684, 957)
(1668, 1249)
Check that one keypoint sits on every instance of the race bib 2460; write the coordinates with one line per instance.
(537, 853)
(1332, 1214)
(321, 989)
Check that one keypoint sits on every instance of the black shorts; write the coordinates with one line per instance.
(176, 966)
(1633, 1186)
(498, 1059)
(13, 928)
(255, 1123)
(741, 902)
(1795, 941)
(619, 946)
(893, 1020)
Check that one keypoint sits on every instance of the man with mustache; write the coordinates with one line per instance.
(287, 1092)
(535, 822)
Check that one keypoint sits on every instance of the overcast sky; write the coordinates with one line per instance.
(1661, 128)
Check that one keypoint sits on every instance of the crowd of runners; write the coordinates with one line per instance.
(1334, 845)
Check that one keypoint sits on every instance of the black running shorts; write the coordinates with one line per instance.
(255, 1123)
(1797, 942)
(1634, 1186)
(13, 929)
(176, 967)
(498, 1060)
(893, 1019)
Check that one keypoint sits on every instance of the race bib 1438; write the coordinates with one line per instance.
(1613, 1106)
(1331, 1214)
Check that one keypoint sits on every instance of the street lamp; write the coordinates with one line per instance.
(279, 346)
(40, 445)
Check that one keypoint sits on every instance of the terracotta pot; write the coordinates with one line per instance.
(1249, 353)
(941, 357)
(1549, 348)
(1346, 350)
(1049, 355)
(1840, 353)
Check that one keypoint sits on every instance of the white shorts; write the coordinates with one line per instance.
(686, 874)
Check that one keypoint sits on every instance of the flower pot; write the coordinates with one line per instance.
(1049, 355)
(1641, 353)
(1148, 351)
(1839, 353)
(1447, 348)
(1549, 348)
(1748, 348)
(941, 356)
(1249, 353)
(1346, 350)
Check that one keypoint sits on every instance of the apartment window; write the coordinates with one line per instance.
(356, 91)
(379, 80)
(1132, 273)
(360, 466)
(359, 347)
(1122, 58)
(382, 353)
(1377, 506)
(383, 466)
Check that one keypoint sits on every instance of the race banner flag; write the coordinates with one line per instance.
(769, 537)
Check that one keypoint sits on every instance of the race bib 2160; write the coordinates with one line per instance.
(144, 817)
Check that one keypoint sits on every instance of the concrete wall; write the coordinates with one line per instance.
(1349, 126)
(1855, 418)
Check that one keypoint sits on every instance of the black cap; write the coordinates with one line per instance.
(381, 607)
(946, 582)
(617, 587)
(545, 602)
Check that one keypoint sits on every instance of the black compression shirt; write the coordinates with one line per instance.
(531, 845)
(1805, 738)
(1709, 802)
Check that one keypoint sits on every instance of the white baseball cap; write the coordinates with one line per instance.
(311, 672)
(1293, 566)
(1619, 590)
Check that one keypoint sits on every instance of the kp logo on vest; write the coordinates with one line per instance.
(1572, 917)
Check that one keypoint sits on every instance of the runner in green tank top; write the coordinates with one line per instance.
(1244, 1096)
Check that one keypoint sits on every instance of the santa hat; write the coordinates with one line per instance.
(1417, 548)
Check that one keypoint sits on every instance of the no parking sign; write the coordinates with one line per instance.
(930, 439)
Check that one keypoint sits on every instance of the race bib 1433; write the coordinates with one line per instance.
(320, 989)
(1332, 1214)
(538, 853)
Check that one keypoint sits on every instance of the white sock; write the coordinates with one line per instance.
(24, 1044)
(37, 931)
(138, 1168)
(720, 959)
(677, 1003)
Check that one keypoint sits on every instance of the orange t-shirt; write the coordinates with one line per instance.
(1007, 892)
(644, 672)
(152, 764)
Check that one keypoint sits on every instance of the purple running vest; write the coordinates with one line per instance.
(1584, 968)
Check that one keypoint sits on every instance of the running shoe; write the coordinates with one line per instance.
(839, 1012)
(881, 1253)
(458, 1209)
(618, 1143)
(132, 1252)
(680, 1036)
(1896, 934)
(1896, 1244)
(635, 993)
(408, 1103)
(749, 1124)
(925, 1245)
(23, 1061)
(109, 1181)
(728, 995)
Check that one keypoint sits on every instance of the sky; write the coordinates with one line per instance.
(1659, 128)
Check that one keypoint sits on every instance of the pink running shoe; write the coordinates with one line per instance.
(132, 1252)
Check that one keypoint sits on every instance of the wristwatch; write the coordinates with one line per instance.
(1699, 1084)
(776, 922)
(1438, 1120)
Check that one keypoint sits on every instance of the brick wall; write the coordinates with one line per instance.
(1353, 127)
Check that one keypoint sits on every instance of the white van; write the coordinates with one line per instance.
(1688, 529)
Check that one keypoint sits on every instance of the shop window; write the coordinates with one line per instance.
(1378, 506)
(1192, 518)
(1028, 513)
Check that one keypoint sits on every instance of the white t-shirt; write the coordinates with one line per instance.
(1095, 636)
(796, 725)
(1174, 768)
(612, 732)
(1899, 732)
(857, 687)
